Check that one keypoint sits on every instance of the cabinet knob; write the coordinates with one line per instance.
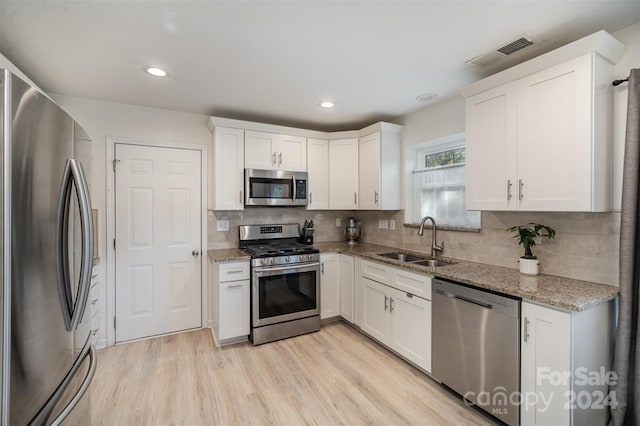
(195, 253)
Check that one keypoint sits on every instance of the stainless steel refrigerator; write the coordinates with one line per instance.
(48, 361)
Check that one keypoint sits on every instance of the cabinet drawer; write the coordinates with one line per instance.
(376, 272)
(417, 284)
(233, 271)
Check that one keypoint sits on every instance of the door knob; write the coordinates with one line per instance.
(195, 253)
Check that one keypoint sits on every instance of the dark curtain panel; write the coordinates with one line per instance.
(626, 361)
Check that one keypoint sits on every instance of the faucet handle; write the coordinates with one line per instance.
(439, 248)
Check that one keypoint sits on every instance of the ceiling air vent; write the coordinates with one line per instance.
(494, 57)
(514, 46)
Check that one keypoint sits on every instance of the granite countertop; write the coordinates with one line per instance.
(227, 255)
(564, 293)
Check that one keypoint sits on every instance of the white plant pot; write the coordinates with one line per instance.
(529, 266)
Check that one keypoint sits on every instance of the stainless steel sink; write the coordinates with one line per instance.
(403, 257)
(432, 262)
(416, 260)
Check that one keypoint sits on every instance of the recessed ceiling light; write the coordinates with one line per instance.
(327, 104)
(426, 97)
(157, 72)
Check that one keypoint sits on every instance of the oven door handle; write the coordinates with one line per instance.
(297, 266)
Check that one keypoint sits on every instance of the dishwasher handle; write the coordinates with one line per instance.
(464, 299)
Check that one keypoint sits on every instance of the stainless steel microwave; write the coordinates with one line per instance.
(275, 188)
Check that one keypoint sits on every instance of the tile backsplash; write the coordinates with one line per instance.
(585, 247)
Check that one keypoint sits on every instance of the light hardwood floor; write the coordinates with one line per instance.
(333, 377)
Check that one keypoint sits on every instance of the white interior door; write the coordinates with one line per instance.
(158, 240)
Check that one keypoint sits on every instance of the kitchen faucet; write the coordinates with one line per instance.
(435, 248)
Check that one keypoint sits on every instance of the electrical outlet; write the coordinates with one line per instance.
(338, 221)
(392, 224)
(383, 224)
(222, 226)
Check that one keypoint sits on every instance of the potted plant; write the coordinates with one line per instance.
(527, 236)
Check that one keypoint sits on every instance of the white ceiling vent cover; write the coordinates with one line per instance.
(494, 56)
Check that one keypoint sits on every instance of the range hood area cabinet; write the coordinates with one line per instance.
(226, 169)
(350, 170)
(272, 151)
(542, 140)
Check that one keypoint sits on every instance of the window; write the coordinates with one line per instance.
(437, 183)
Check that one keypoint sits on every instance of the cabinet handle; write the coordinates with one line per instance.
(234, 271)
(391, 304)
(525, 332)
(509, 185)
(386, 303)
(375, 196)
(235, 286)
(240, 196)
(279, 159)
(322, 268)
(311, 198)
(355, 198)
(520, 185)
(273, 161)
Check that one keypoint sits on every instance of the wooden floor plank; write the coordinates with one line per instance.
(334, 377)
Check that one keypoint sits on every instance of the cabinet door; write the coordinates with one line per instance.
(318, 169)
(491, 180)
(329, 286)
(347, 287)
(545, 357)
(369, 172)
(410, 333)
(234, 309)
(291, 153)
(554, 137)
(259, 150)
(343, 174)
(227, 170)
(375, 310)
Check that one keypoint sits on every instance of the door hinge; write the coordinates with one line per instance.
(114, 162)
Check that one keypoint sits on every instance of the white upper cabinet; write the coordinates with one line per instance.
(491, 149)
(273, 151)
(343, 174)
(226, 169)
(380, 170)
(318, 169)
(541, 140)
(561, 159)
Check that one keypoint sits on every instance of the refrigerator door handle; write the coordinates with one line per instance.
(62, 246)
(74, 310)
(93, 363)
(86, 223)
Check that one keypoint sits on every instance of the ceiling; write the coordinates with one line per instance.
(275, 61)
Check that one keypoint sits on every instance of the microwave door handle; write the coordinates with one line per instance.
(293, 180)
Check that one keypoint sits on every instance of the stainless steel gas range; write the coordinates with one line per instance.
(285, 282)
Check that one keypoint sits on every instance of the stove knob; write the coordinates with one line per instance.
(287, 259)
(263, 261)
(272, 260)
(301, 258)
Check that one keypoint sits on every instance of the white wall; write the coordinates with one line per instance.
(102, 119)
(440, 120)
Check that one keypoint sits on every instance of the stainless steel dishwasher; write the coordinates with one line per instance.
(476, 347)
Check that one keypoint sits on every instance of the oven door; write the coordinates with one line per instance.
(284, 293)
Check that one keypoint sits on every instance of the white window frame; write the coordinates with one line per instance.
(415, 157)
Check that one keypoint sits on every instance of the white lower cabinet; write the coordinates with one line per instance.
(565, 360)
(347, 287)
(231, 301)
(329, 286)
(395, 317)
